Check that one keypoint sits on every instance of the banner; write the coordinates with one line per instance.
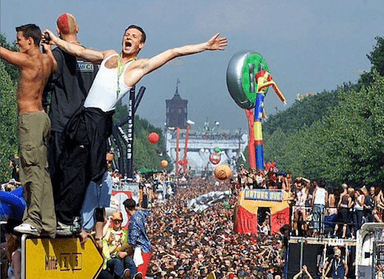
(249, 203)
(203, 202)
(117, 199)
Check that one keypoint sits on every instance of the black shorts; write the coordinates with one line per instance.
(344, 215)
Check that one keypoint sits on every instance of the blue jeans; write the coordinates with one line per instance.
(117, 266)
(358, 219)
(318, 217)
(128, 263)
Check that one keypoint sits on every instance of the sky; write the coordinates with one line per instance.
(309, 46)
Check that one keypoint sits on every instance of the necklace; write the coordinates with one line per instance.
(120, 70)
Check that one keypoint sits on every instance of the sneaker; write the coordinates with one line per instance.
(66, 230)
(76, 227)
(126, 274)
(27, 229)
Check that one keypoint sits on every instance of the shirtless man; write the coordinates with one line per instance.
(118, 73)
(33, 127)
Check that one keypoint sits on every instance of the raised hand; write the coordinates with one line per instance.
(217, 43)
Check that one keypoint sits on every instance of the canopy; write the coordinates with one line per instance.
(146, 170)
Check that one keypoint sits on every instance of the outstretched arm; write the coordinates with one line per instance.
(12, 57)
(90, 55)
(144, 66)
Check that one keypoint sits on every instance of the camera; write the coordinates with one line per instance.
(46, 38)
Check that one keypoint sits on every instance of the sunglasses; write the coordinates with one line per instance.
(117, 221)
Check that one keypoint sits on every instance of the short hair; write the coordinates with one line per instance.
(143, 35)
(322, 182)
(31, 31)
(66, 23)
(129, 204)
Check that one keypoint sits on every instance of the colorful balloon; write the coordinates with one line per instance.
(215, 158)
(223, 172)
(183, 162)
(239, 77)
(153, 138)
(164, 163)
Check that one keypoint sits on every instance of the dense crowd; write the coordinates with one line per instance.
(186, 244)
(190, 245)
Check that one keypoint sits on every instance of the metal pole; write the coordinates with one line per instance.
(177, 151)
(131, 119)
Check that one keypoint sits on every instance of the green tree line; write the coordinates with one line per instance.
(145, 154)
(338, 135)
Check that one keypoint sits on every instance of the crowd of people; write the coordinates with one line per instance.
(318, 209)
(190, 245)
(185, 244)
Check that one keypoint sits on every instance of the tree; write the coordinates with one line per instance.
(10, 69)
(302, 113)
(377, 60)
(347, 145)
(8, 121)
(145, 154)
(377, 56)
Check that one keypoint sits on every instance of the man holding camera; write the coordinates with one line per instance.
(68, 88)
(33, 128)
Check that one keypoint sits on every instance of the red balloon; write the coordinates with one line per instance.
(183, 162)
(215, 158)
(153, 138)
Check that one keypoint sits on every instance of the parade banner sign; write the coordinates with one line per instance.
(249, 203)
(263, 195)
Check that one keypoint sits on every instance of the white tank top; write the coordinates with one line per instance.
(103, 93)
(320, 196)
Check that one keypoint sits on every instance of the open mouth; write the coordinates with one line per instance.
(128, 44)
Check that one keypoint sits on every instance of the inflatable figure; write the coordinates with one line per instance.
(264, 80)
(248, 89)
(215, 158)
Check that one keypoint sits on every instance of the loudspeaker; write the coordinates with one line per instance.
(308, 256)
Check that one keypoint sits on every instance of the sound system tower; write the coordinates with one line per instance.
(309, 258)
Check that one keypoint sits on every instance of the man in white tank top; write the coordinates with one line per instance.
(118, 73)
(133, 41)
(320, 199)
